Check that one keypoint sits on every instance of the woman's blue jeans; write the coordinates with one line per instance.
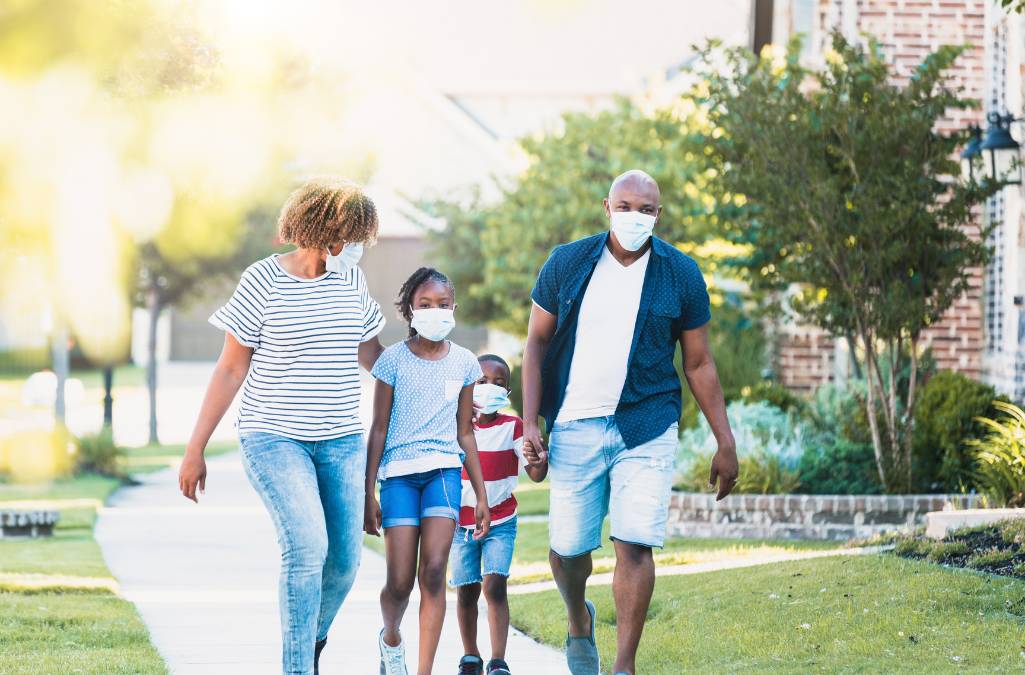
(314, 491)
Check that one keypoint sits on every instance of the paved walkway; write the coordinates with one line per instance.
(204, 579)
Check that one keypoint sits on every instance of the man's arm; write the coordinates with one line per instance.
(699, 368)
(539, 334)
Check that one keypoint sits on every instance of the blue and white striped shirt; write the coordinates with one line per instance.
(304, 381)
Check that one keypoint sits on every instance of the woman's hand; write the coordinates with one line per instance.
(192, 474)
(372, 516)
(482, 516)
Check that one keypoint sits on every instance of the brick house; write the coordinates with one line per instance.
(983, 334)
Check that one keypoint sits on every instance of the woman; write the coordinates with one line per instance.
(297, 329)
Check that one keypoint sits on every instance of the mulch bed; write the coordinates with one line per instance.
(994, 549)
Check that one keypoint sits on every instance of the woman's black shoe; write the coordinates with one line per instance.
(316, 655)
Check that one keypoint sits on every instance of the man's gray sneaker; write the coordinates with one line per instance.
(582, 652)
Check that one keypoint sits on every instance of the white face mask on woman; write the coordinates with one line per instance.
(632, 228)
(434, 323)
(346, 259)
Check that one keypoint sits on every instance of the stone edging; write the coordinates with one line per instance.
(789, 516)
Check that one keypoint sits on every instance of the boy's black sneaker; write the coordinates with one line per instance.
(471, 665)
(498, 667)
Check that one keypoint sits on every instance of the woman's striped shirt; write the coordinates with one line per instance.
(304, 381)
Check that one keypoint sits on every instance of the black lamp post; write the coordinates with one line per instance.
(1001, 154)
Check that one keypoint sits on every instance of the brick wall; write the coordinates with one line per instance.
(908, 31)
(830, 517)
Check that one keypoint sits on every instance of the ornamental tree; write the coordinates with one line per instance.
(853, 202)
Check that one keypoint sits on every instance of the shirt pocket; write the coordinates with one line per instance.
(452, 389)
(663, 322)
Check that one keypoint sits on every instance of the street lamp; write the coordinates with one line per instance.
(1001, 154)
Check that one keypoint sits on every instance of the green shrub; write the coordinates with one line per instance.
(841, 467)
(775, 394)
(97, 453)
(1000, 456)
(945, 419)
(991, 558)
(839, 458)
(1018, 570)
(760, 473)
(912, 547)
(1013, 531)
(945, 550)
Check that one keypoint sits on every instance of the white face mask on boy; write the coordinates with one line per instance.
(346, 259)
(490, 398)
(434, 323)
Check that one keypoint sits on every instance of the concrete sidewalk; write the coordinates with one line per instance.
(204, 579)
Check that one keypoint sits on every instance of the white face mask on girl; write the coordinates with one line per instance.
(632, 228)
(346, 259)
(434, 323)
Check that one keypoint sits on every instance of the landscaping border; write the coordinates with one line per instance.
(791, 516)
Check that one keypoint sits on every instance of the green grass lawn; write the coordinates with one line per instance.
(878, 614)
(73, 632)
(532, 498)
(530, 561)
(60, 628)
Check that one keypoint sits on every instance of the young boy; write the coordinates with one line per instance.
(487, 561)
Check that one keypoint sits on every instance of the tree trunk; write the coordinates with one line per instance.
(909, 421)
(153, 304)
(59, 353)
(855, 365)
(108, 398)
(873, 420)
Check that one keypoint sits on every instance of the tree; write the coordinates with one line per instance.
(1013, 5)
(167, 279)
(852, 198)
(498, 249)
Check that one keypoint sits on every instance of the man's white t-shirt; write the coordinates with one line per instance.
(605, 330)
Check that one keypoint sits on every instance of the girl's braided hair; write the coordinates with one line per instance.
(405, 300)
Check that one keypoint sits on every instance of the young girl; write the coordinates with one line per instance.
(422, 428)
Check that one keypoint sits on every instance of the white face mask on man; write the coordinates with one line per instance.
(632, 228)
(346, 259)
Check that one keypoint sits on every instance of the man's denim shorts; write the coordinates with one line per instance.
(473, 560)
(593, 473)
(405, 500)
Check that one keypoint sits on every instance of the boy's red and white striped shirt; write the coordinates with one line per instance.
(500, 447)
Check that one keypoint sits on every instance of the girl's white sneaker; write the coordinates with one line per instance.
(393, 659)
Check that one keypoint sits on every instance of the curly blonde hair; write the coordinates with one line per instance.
(325, 211)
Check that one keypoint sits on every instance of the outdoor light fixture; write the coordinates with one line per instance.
(971, 156)
(1001, 154)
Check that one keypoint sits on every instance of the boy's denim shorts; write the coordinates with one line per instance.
(473, 560)
(405, 500)
(593, 473)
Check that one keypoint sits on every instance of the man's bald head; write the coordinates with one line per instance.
(636, 181)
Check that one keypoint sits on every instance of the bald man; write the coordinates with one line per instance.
(598, 366)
